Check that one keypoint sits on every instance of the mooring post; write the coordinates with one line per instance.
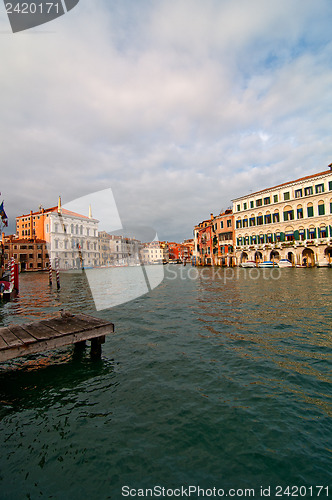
(57, 273)
(50, 277)
(96, 347)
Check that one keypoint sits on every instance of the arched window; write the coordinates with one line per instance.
(321, 208)
(310, 210)
(275, 216)
(299, 211)
(288, 213)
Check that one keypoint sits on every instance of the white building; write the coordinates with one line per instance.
(72, 238)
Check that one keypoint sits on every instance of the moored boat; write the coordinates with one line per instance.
(268, 263)
(248, 263)
(323, 263)
(285, 263)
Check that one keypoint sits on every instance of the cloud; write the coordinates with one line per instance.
(178, 106)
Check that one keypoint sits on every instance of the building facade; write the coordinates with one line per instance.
(214, 241)
(155, 252)
(291, 220)
(30, 254)
(70, 237)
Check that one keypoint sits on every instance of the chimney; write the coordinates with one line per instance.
(90, 212)
(59, 205)
(211, 216)
(330, 166)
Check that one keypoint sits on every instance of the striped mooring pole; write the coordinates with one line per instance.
(12, 270)
(57, 273)
(14, 278)
(50, 276)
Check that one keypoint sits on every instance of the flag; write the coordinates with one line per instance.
(3, 215)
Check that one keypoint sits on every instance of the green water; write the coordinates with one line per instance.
(212, 380)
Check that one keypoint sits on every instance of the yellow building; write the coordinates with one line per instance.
(290, 221)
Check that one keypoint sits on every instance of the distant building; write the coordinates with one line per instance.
(292, 220)
(155, 252)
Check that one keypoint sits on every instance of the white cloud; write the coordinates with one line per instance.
(178, 106)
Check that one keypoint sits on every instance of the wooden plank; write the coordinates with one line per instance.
(40, 331)
(53, 343)
(21, 334)
(91, 320)
(65, 325)
(3, 344)
(9, 337)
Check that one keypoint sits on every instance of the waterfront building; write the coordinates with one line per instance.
(223, 234)
(180, 252)
(203, 246)
(124, 250)
(30, 254)
(155, 252)
(214, 240)
(72, 238)
(292, 220)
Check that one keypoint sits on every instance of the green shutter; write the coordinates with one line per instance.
(296, 235)
(282, 236)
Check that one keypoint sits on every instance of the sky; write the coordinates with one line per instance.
(177, 106)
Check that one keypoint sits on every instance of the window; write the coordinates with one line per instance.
(323, 232)
(251, 204)
(286, 195)
(267, 219)
(221, 224)
(238, 224)
(298, 193)
(238, 208)
(245, 205)
(308, 191)
(259, 202)
(299, 213)
(288, 215)
(269, 238)
(330, 185)
(275, 198)
(275, 217)
(289, 236)
(252, 221)
(259, 220)
(321, 208)
(319, 188)
(229, 222)
(245, 221)
(310, 210)
(312, 233)
(267, 200)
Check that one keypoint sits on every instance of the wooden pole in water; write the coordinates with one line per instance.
(57, 273)
(50, 276)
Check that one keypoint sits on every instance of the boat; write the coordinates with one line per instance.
(6, 289)
(248, 263)
(323, 263)
(285, 263)
(268, 263)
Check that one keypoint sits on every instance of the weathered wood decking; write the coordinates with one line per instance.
(66, 329)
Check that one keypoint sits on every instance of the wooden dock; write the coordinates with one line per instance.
(65, 329)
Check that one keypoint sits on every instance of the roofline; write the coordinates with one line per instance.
(283, 184)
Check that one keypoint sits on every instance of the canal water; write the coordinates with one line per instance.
(218, 378)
